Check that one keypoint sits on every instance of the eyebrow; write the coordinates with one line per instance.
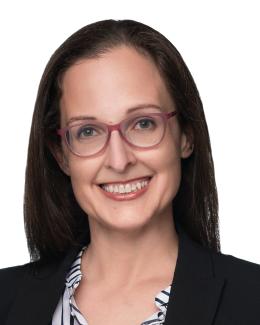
(130, 110)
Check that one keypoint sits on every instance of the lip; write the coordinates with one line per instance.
(128, 181)
(128, 196)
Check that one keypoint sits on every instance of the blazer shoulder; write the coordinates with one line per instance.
(11, 279)
(8, 273)
(236, 268)
(14, 274)
(240, 298)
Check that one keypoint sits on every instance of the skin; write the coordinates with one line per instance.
(133, 239)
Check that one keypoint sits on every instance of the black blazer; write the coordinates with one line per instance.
(208, 289)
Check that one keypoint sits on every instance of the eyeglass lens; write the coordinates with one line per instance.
(88, 137)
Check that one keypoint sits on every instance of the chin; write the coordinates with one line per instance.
(125, 219)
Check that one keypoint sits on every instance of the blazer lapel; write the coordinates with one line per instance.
(195, 290)
(39, 293)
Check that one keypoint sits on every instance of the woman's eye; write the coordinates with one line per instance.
(85, 131)
(145, 123)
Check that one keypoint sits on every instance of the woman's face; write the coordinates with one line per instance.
(106, 88)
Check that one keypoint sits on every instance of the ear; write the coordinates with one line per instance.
(60, 158)
(187, 143)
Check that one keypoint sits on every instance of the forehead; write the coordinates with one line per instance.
(111, 84)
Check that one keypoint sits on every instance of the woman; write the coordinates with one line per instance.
(121, 208)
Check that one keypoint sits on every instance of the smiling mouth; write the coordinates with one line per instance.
(125, 193)
(126, 187)
(136, 180)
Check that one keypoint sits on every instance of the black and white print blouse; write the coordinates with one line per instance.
(67, 312)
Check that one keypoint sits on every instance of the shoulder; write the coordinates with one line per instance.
(241, 292)
(238, 282)
(12, 273)
(26, 284)
(236, 269)
(241, 276)
(11, 279)
(11, 276)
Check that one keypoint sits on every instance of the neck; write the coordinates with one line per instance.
(126, 258)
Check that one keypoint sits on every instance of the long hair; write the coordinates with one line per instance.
(53, 219)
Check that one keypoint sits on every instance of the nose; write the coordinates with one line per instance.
(119, 153)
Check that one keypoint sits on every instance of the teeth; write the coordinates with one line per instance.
(127, 188)
(121, 189)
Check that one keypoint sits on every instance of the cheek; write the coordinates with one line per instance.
(169, 165)
(171, 170)
(82, 175)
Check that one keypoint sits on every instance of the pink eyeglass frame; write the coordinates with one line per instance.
(116, 127)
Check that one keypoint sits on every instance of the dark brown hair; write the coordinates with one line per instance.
(54, 221)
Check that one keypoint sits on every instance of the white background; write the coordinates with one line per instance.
(219, 41)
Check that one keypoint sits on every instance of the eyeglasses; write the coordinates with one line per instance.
(88, 138)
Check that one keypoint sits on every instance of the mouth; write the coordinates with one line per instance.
(129, 191)
(127, 182)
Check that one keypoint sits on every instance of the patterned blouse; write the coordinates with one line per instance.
(67, 312)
